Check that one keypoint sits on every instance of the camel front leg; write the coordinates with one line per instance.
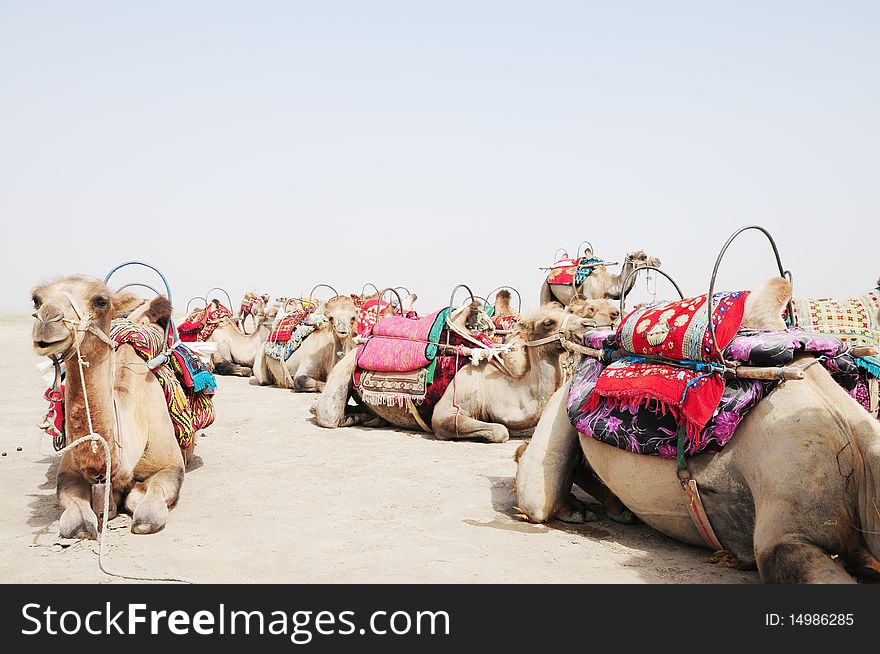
(150, 500)
(331, 404)
(74, 492)
(545, 467)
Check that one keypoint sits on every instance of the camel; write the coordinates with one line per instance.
(308, 367)
(126, 403)
(252, 305)
(236, 351)
(483, 401)
(600, 283)
(796, 486)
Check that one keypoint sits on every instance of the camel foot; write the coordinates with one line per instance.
(78, 521)
(626, 517)
(149, 516)
(498, 434)
(575, 511)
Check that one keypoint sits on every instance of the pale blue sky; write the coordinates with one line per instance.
(281, 144)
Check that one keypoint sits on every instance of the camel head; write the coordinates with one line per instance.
(472, 319)
(552, 319)
(640, 259)
(342, 312)
(502, 304)
(602, 313)
(70, 302)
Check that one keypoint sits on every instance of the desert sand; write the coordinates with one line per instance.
(271, 497)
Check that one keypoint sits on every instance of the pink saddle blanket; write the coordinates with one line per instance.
(399, 344)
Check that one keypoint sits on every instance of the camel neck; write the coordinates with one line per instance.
(98, 378)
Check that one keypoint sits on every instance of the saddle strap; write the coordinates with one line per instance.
(695, 508)
(414, 411)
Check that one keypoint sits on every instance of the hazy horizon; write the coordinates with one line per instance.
(278, 145)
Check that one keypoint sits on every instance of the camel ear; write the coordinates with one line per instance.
(553, 304)
(124, 303)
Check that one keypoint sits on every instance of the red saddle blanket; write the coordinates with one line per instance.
(400, 344)
(680, 331)
(201, 323)
(284, 328)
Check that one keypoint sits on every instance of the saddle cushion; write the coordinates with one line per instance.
(675, 330)
(855, 320)
(572, 271)
(400, 344)
(187, 385)
(283, 348)
(423, 387)
(648, 428)
(201, 323)
(283, 328)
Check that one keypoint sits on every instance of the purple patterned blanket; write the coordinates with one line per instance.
(645, 429)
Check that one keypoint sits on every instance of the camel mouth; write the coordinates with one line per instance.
(49, 348)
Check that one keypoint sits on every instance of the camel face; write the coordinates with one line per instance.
(601, 313)
(640, 259)
(342, 313)
(58, 306)
(552, 319)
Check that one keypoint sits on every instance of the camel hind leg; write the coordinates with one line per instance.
(233, 369)
(450, 424)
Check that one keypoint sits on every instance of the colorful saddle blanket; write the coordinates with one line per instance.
(855, 321)
(248, 302)
(572, 271)
(287, 324)
(283, 349)
(201, 323)
(187, 385)
(675, 330)
(647, 428)
(399, 344)
(423, 387)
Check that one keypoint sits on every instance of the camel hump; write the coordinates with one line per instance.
(502, 303)
(159, 311)
(766, 305)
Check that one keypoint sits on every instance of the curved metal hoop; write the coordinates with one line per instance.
(135, 262)
(217, 288)
(379, 301)
(635, 272)
(509, 288)
(315, 288)
(556, 256)
(710, 299)
(170, 328)
(455, 290)
(197, 297)
(403, 288)
(578, 256)
(364, 288)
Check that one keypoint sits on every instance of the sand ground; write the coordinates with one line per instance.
(271, 497)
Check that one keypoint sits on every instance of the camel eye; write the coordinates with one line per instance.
(101, 302)
(549, 322)
(37, 302)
